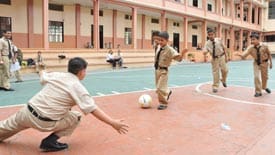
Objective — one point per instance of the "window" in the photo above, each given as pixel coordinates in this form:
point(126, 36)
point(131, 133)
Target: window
point(56, 31)
point(7, 2)
point(270, 38)
point(176, 24)
point(271, 10)
point(56, 7)
point(128, 36)
point(195, 3)
point(209, 7)
point(100, 12)
point(5, 24)
point(154, 20)
point(177, 0)
point(128, 17)
point(194, 27)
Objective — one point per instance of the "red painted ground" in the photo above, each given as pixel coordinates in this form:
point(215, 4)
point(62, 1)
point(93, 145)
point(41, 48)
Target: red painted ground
point(190, 125)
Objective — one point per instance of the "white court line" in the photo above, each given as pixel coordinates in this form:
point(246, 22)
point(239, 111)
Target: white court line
point(147, 88)
point(124, 93)
point(100, 94)
point(230, 99)
point(173, 85)
point(115, 92)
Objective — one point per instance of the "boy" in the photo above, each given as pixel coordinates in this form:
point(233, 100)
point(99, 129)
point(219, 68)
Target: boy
point(163, 59)
point(215, 47)
point(261, 55)
point(50, 109)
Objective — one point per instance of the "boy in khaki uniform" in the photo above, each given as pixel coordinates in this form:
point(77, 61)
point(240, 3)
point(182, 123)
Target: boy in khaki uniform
point(261, 55)
point(215, 47)
point(163, 59)
point(6, 55)
point(50, 109)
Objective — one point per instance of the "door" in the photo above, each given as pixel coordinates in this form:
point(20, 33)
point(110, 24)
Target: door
point(101, 37)
point(176, 41)
point(194, 40)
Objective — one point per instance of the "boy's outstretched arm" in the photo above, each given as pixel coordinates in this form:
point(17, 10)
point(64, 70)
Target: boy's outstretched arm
point(121, 127)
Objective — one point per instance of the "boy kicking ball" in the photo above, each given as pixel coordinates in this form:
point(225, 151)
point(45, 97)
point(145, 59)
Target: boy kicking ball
point(163, 59)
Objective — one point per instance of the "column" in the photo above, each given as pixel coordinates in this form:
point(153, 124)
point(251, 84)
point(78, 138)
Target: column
point(232, 13)
point(134, 28)
point(241, 10)
point(114, 28)
point(204, 7)
point(231, 42)
point(45, 24)
point(30, 23)
point(143, 31)
point(219, 30)
point(241, 40)
point(219, 11)
point(77, 26)
point(260, 16)
point(185, 32)
point(163, 21)
point(249, 16)
point(96, 24)
point(256, 13)
point(204, 32)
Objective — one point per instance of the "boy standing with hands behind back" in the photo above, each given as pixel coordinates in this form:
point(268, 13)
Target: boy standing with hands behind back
point(163, 59)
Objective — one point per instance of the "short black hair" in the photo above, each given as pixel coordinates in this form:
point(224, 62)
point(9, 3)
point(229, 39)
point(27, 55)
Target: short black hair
point(209, 30)
point(255, 35)
point(76, 64)
point(164, 35)
point(155, 33)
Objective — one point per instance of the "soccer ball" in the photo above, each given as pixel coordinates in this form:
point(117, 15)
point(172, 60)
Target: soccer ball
point(145, 101)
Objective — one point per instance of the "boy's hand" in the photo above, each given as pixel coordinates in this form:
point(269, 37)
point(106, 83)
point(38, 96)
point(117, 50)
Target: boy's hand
point(121, 127)
point(270, 66)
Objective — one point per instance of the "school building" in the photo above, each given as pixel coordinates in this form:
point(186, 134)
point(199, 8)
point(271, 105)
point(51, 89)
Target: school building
point(101, 24)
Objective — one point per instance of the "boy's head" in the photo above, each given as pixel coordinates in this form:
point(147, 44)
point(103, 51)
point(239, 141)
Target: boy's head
point(78, 67)
point(155, 36)
point(211, 34)
point(255, 38)
point(6, 34)
point(163, 38)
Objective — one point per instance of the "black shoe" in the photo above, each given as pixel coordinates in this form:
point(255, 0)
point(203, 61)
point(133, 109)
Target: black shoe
point(268, 90)
point(257, 94)
point(48, 146)
point(224, 84)
point(8, 89)
point(18, 81)
point(169, 95)
point(162, 107)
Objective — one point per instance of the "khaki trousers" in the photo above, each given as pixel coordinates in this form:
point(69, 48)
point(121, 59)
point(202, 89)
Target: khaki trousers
point(260, 76)
point(217, 65)
point(161, 79)
point(24, 119)
point(18, 75)
point(5, 73)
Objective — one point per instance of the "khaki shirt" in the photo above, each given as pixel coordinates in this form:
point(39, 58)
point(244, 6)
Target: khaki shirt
point(4, 46)
point(218, 47)
point(167, 55)
point(60, 93)
point(251, 50)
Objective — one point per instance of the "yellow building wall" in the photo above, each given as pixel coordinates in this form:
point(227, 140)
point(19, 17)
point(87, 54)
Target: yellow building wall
point(38, 17)
point(18, 12)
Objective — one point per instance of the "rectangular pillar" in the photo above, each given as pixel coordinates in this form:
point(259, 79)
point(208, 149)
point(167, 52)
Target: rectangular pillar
point(219, 30)
point(256, 15)
point(249, 16)
point(30, 23)
point(45, 24)
point(114, 28)
point(96, 23)
point(163, 21)
point(204, 32)
point(134, 28)
point(143, 18)
point(241, 40)
point(77, 26)
point(185, 32)
point(241, 10)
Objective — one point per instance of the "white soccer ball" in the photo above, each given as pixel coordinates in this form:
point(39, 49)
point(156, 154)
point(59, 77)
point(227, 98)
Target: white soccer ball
point(145, 101)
